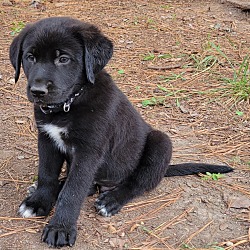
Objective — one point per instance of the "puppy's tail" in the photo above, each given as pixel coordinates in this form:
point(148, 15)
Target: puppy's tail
point(195, 168)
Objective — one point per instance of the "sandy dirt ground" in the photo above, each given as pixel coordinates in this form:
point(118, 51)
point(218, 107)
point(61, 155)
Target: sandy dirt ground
point(179, 63)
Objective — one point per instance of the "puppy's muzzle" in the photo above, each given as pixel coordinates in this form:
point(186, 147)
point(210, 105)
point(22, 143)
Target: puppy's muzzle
point(38, 91)
point(40, 88)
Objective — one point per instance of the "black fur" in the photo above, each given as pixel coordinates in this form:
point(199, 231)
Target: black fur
point(103, 139)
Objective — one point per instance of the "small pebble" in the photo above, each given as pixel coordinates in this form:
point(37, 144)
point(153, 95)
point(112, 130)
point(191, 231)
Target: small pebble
point(7, 3)
point(122, 234)
point(229, 244)
point(11, 81)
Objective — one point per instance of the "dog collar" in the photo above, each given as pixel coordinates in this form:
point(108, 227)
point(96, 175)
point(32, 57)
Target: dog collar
point(64, 106)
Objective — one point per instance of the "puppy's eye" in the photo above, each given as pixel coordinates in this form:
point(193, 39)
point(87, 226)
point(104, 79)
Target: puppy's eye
point(31, 58)
point(64, 60)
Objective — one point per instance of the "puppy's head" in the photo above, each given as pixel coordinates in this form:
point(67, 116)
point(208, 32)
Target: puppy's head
point(58, 56)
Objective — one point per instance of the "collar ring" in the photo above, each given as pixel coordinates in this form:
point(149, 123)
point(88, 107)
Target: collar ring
point(66, 107)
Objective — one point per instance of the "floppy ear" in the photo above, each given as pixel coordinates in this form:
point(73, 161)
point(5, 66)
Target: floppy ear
point(16, 52)
point(98, 50)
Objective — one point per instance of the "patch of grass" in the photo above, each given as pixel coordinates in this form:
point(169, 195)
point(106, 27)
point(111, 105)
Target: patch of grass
point(212, 176)
point(236, 88)
point(186, 246)
point(214, 246)
point(239, 85)
point(161, 99)
point(153, 101)
point(164, 56)
point(173, 77)
point(239, 161)
point(35, 178)
point(17, 27)
point(177, 43)
point(148, 57)
point(166, 7)
point(239, 113)
point(136, 21)
point(169, 92)
point(218, 49)
point(204, 63)
point(150, 21)
point(121, 72)
point(174, 16)
point(151, 56)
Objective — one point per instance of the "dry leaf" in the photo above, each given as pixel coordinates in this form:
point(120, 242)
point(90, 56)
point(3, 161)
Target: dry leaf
point(112, 242)
point(117, 243)
point(134, 227)
point(30, 230)
point(183, 109)
point(111, 229)
point(223, 226)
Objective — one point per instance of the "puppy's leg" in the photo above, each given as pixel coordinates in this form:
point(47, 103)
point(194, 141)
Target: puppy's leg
point(43, 198)
point(92, 190)
point(61, 229)
point(154, 161)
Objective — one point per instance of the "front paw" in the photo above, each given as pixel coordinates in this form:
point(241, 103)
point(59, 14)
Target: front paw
point(26, 211)
point(58, 235)
point(108, 204)
point(35, 205)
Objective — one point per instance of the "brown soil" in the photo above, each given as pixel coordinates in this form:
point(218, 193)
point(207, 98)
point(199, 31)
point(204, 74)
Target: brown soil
point(202, 120)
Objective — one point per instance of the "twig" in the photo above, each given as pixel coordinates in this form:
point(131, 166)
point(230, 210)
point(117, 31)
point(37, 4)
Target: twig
point(13, 93)
point(187, 241)
point(17, 188)
point(169, 67)
point(237, 244)
point(165, 225)
point(35, 219)
point(5, 163)
point(14, 180)
point(25, 151)
point(27, 229)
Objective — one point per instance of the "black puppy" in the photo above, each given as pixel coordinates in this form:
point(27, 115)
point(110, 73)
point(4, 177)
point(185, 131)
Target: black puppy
point(85, 120)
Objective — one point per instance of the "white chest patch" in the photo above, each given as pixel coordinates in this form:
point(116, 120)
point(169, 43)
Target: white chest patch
point(56, 133)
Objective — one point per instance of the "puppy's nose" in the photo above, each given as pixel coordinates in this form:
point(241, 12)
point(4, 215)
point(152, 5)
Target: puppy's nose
point(39, 91)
